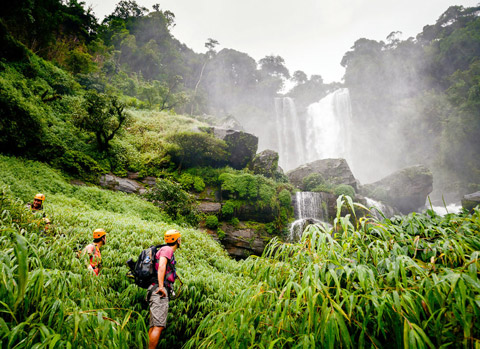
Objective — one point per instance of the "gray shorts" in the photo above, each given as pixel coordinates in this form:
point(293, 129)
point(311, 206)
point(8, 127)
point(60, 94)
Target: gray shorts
point(158, 308)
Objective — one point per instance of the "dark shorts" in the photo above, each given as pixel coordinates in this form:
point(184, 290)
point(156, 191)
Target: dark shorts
point(158, 308)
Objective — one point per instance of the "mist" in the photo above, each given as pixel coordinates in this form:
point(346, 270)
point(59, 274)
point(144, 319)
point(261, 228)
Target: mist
point(398, 106)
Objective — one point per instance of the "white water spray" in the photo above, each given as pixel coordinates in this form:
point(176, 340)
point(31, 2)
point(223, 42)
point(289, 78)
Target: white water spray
point(309, 207)
point(289, 139)
point(329, 127)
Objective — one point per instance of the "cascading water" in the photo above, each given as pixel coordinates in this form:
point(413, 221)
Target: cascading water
point(309, 208)
point(290, 145)
point(329, 127)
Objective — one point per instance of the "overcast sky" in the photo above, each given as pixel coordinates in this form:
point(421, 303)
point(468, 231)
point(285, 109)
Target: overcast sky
point(311, 35)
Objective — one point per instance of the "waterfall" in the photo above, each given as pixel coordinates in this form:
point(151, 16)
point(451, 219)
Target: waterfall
point(290, 145)
point(309, 207)
point(329, 127)
point(376, 207)
point(443, 210)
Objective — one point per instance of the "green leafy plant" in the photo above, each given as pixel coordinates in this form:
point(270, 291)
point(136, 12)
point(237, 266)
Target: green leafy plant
point(344, 189)
point(211, 222)
point(312, 180)
point(177, 203)
point(220, 234)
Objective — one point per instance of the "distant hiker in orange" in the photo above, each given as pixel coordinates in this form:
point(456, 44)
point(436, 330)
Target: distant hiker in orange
point(37, 203)
point(93, 250)
point(37, 208)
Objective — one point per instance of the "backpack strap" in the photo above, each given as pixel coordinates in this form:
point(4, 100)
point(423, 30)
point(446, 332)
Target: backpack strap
point(169, 263)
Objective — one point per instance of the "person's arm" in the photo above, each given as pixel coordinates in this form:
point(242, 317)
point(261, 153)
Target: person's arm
point(162, 267)
point(87, 251)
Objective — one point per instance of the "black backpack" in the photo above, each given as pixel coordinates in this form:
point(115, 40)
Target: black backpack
point(143, 271)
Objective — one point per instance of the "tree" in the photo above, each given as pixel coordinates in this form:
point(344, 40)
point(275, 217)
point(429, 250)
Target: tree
point(299, 77)
point(104, 116)
point(126, 9)
point(210, 45)
point(273, 73)
point(160, 95)
point(275, 66)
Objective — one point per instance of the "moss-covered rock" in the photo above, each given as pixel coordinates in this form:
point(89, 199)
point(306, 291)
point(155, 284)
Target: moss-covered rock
point(406, 189)
point(265, 163)
point(470, 201)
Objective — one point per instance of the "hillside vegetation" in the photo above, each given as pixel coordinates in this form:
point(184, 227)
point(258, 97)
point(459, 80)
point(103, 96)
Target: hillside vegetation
point(408, 282)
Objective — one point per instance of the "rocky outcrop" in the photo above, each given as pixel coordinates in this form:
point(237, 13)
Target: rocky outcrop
point(335, 171)
point(125, 185)
point(470, 201)
point(266, 163)
point(210, 208)
point(242, 146)
point(405, 190)
point(242, 242)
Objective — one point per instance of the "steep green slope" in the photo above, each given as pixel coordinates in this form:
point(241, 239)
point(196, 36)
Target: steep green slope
point(410, 281)
point(48, 296)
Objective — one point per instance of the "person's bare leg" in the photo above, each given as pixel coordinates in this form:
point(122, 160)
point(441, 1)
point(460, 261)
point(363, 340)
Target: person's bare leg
point(154, 336)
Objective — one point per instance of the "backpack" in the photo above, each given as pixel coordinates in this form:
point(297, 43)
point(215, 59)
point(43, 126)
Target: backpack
point(143, 271)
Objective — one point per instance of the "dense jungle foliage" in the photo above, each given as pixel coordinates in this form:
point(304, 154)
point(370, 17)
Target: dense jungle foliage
point(409, 281)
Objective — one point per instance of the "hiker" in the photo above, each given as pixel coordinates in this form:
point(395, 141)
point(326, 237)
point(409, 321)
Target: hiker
point(37, 205)
point(161, 290)
point(95, 259)
point(37, 208)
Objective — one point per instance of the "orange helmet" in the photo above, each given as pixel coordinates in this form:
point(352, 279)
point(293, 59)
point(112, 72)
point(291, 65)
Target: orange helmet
point(172, 235)
point(40, 197)
point(98, 233)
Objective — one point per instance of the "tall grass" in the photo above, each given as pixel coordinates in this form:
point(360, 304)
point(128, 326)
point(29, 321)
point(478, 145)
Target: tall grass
point(48, 298)
point(407, 282)
point(410, 281)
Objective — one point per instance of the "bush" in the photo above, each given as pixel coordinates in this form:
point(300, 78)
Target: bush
point(235, 222)
point(228, 209)
point(197, 149)
point(79, 164)
point(285, 198)
point(344, 189)
point(211, 222)
point(177, 203)
point(245, 186)
point(190, 182)
point(324, 187)
point(220, 234)
point(312, 180)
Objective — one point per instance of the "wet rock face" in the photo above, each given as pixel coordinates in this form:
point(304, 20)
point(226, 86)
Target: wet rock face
point(125, 185)
point(243, 242)
point(210, 208)
point(405, 190)
point(335, 171)
point(470, 201)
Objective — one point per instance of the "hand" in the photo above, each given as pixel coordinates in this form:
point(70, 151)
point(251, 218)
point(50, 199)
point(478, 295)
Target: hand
point(162, 292)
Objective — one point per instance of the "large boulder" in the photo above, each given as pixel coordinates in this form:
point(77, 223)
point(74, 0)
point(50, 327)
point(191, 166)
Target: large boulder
point(242, 146)
point(405, 190)
point(242, 242)
point(210, 208)
point(470, 201)
point(125, 185)
point(335, 171)
point(266, 163)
